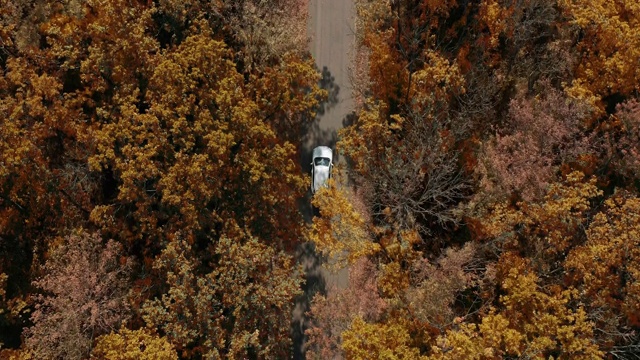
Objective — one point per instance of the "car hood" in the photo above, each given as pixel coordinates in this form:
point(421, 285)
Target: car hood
point(320, 176)
point(322, 151)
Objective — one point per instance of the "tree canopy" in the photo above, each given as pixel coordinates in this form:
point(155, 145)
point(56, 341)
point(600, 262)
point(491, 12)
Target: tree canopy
point(150, 182)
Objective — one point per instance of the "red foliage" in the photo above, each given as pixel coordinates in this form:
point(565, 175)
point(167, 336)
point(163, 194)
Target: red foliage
point(332, 314)
point(83, 296)
point(622, 140)
point(541, 134)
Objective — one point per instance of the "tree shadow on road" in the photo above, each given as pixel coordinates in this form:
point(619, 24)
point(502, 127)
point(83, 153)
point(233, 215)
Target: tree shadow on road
point(314, 284)
point(328, 83)
point(312, 135)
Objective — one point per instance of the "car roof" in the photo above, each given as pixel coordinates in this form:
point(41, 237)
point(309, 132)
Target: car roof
point(323, 151)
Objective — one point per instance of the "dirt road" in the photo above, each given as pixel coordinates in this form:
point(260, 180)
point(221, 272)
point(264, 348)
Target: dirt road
point(331, 29)
point(332, 37)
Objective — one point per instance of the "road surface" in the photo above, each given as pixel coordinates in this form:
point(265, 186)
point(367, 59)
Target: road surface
point(331, 29)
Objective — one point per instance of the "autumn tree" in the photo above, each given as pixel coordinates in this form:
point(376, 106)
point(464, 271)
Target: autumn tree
point(408, 160)
point(529, 322)
point(460, 100)
point(214, 313)
point(133, 344)
point(541, 135)
point(543, 231)
point(332, 314)
point(391, 309)
point(144, 120)
point(46, 184)
point(84, 288)
point(605, 271)
point(261, 33)
point(378, 341)
point(524, 40)
point(621, 141)
point(438, 286)
point(270, 30)
point(608, 47)
point(568, 248)
point(341, 232)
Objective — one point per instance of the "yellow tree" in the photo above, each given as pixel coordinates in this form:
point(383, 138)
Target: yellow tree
point(133, 118)
point(199, 152)
point(378, 341)
point(213, 313)
point(543, 231)
point(530, 321)
point(340, 232)
point(199, 161)
point(606, 269)
point(592, 259)
point(46, 187)
point(609, 48)
point(128, 344)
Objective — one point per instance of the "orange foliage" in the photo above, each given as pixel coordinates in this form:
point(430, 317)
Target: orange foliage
point(529, 322)
point(142, 120)
point(140, 344)
point(610, 48)
point(607, 267)
point(212, 313)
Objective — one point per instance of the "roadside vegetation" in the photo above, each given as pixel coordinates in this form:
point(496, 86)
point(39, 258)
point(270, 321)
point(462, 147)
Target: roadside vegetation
point(150, 179)
point(495, 156)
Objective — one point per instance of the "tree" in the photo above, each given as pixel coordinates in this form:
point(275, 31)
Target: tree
point(132, 345)
point(621, 143)
point(574, 246)
point(145, 120)
point(378, 341)
point(437, 287)
point(605, 269)
point(84, 290)
point(46, 103)
point(541, 135)
point(609, 49)
point(196, 158)
point(340, 232)
point(407, 158)
point(331, 315)
point(214, 313)
point(271, 30)
point(261, 33)
point(543, 231)
point(402, 142)
point(530, 322)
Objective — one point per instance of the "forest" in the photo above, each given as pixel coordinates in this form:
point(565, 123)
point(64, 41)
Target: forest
point(490, 206)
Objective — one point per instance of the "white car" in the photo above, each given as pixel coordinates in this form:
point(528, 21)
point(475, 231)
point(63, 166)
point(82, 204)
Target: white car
point(321, 165)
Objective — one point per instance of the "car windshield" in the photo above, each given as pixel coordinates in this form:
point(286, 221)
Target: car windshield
point(322, 161)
